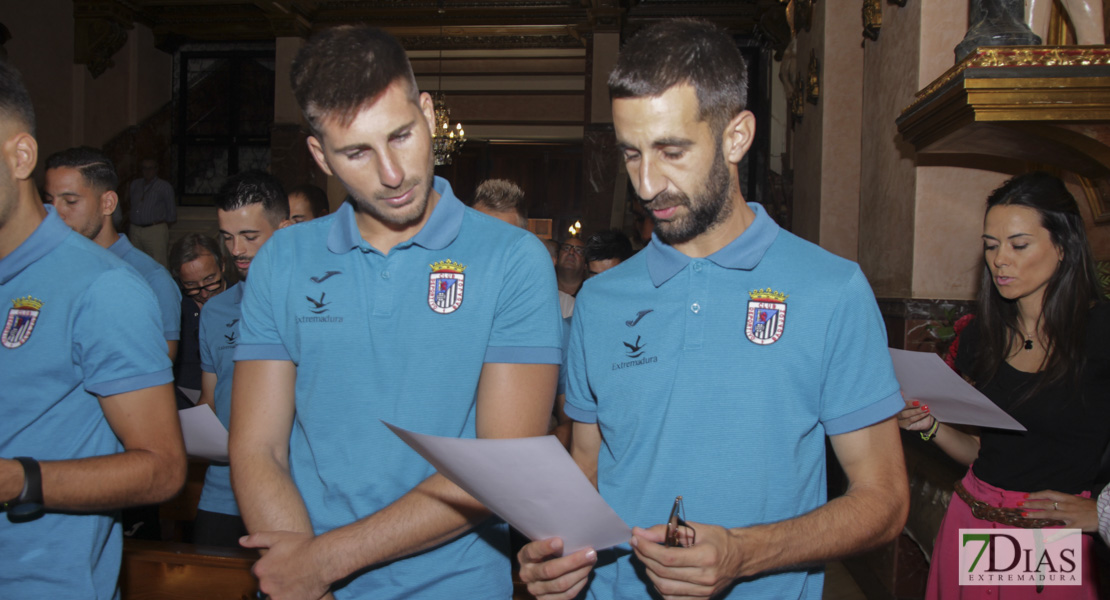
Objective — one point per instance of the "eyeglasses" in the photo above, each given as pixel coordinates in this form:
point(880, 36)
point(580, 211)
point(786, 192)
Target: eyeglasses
point(579, 250)
point(211, 287)
point(679, 533)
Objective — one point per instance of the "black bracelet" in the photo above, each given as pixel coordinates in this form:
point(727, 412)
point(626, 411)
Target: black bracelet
point(28, 505)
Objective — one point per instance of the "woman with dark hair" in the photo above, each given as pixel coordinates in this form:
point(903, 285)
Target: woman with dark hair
point(1039, 348)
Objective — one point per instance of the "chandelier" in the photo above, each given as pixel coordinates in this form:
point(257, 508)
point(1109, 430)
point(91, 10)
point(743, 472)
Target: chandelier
point(447, 140)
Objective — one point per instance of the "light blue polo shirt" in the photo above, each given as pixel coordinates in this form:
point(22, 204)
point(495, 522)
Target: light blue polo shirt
point(717, 379)
point(400, 337)
point(164, 287)
point(77, 323)
point(219, 336)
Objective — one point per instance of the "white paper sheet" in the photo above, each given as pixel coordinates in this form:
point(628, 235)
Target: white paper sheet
point(532, 483)
point(191, 394)
point(205, 436)
point(924, 376)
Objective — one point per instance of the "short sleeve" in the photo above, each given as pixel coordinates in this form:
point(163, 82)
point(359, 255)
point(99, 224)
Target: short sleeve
point(169, 301)
point(581, 404)
point(859, 384)
point(526, 326)
point(118, 339)
point(258, 329)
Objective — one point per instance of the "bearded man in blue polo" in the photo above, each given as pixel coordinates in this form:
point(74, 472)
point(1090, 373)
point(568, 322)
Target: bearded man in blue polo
point(713, 364)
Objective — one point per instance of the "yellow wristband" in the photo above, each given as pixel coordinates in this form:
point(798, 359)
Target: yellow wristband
point(928, 435)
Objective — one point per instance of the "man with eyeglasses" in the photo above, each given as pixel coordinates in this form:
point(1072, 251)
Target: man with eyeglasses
point(570, 272)
point(717, 361)
point(81, 184)
point(196, 262)
point(250, 207)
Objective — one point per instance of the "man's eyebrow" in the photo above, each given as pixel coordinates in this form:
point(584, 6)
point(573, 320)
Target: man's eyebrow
point(364, 146)
point(681, 142)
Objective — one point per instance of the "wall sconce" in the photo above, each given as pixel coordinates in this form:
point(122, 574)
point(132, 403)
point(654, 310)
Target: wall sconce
point(574, 229)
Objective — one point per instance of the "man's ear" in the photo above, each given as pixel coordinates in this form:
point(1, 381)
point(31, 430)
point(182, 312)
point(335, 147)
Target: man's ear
point(22, 152)
point(428, 107)
point(108, 202)
point(285, 223)
point(316, 148)
point(738, 136)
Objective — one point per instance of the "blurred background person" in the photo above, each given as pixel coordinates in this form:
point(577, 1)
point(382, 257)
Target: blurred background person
point(606, 250)
point(307, 202)
point(153, 210)
point(501, 199)
point(199, 265)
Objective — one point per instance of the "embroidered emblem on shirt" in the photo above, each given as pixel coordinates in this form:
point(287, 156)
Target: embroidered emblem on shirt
point(635, 349)
point(639, 316)
point(21, 321)
point(318, 305)
point(232, 323)
point(766, 316)
point(230, 338)
point(325, 276)
point(445, 286)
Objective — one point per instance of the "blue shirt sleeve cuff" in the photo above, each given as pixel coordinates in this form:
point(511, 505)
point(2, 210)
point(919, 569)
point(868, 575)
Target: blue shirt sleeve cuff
point(172, 335)
point(582, 416)
point(261, 352)
point(868, 415)
point(130, 384)
point(517, 355)
point(207, 368)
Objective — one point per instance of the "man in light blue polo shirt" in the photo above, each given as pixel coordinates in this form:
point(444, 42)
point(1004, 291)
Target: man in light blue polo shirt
point(250, 207)
point(81, 184)
point(713, 364)
point(404, 306)
point(84, 388)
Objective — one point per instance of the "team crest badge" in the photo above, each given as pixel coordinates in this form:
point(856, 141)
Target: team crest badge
point(766, 316)
point(21, 321)
point(445, 286)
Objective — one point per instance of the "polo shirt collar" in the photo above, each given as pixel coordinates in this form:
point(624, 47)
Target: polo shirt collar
point(438, 232)
point(121, 246)
point(744, 252)
point(47, 236)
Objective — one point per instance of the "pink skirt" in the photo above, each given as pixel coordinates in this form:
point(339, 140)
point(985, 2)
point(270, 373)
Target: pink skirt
point(944, 570)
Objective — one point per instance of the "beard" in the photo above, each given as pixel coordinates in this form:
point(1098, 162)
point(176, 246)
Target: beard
point(704, 211)
point(379, 209)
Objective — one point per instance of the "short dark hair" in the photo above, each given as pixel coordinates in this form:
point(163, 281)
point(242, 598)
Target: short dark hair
point(500, 195)
point(15, 102)
point(94, 166)
point(254, 187)
point(608, 244)
point(343, 69)
point(679, 51)
point(192, 247)
point(317, 198)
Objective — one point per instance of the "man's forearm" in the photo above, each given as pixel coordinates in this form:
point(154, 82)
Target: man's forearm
point(129, 478)
point(433, 512)
point(859, 520)
point(267, 497)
